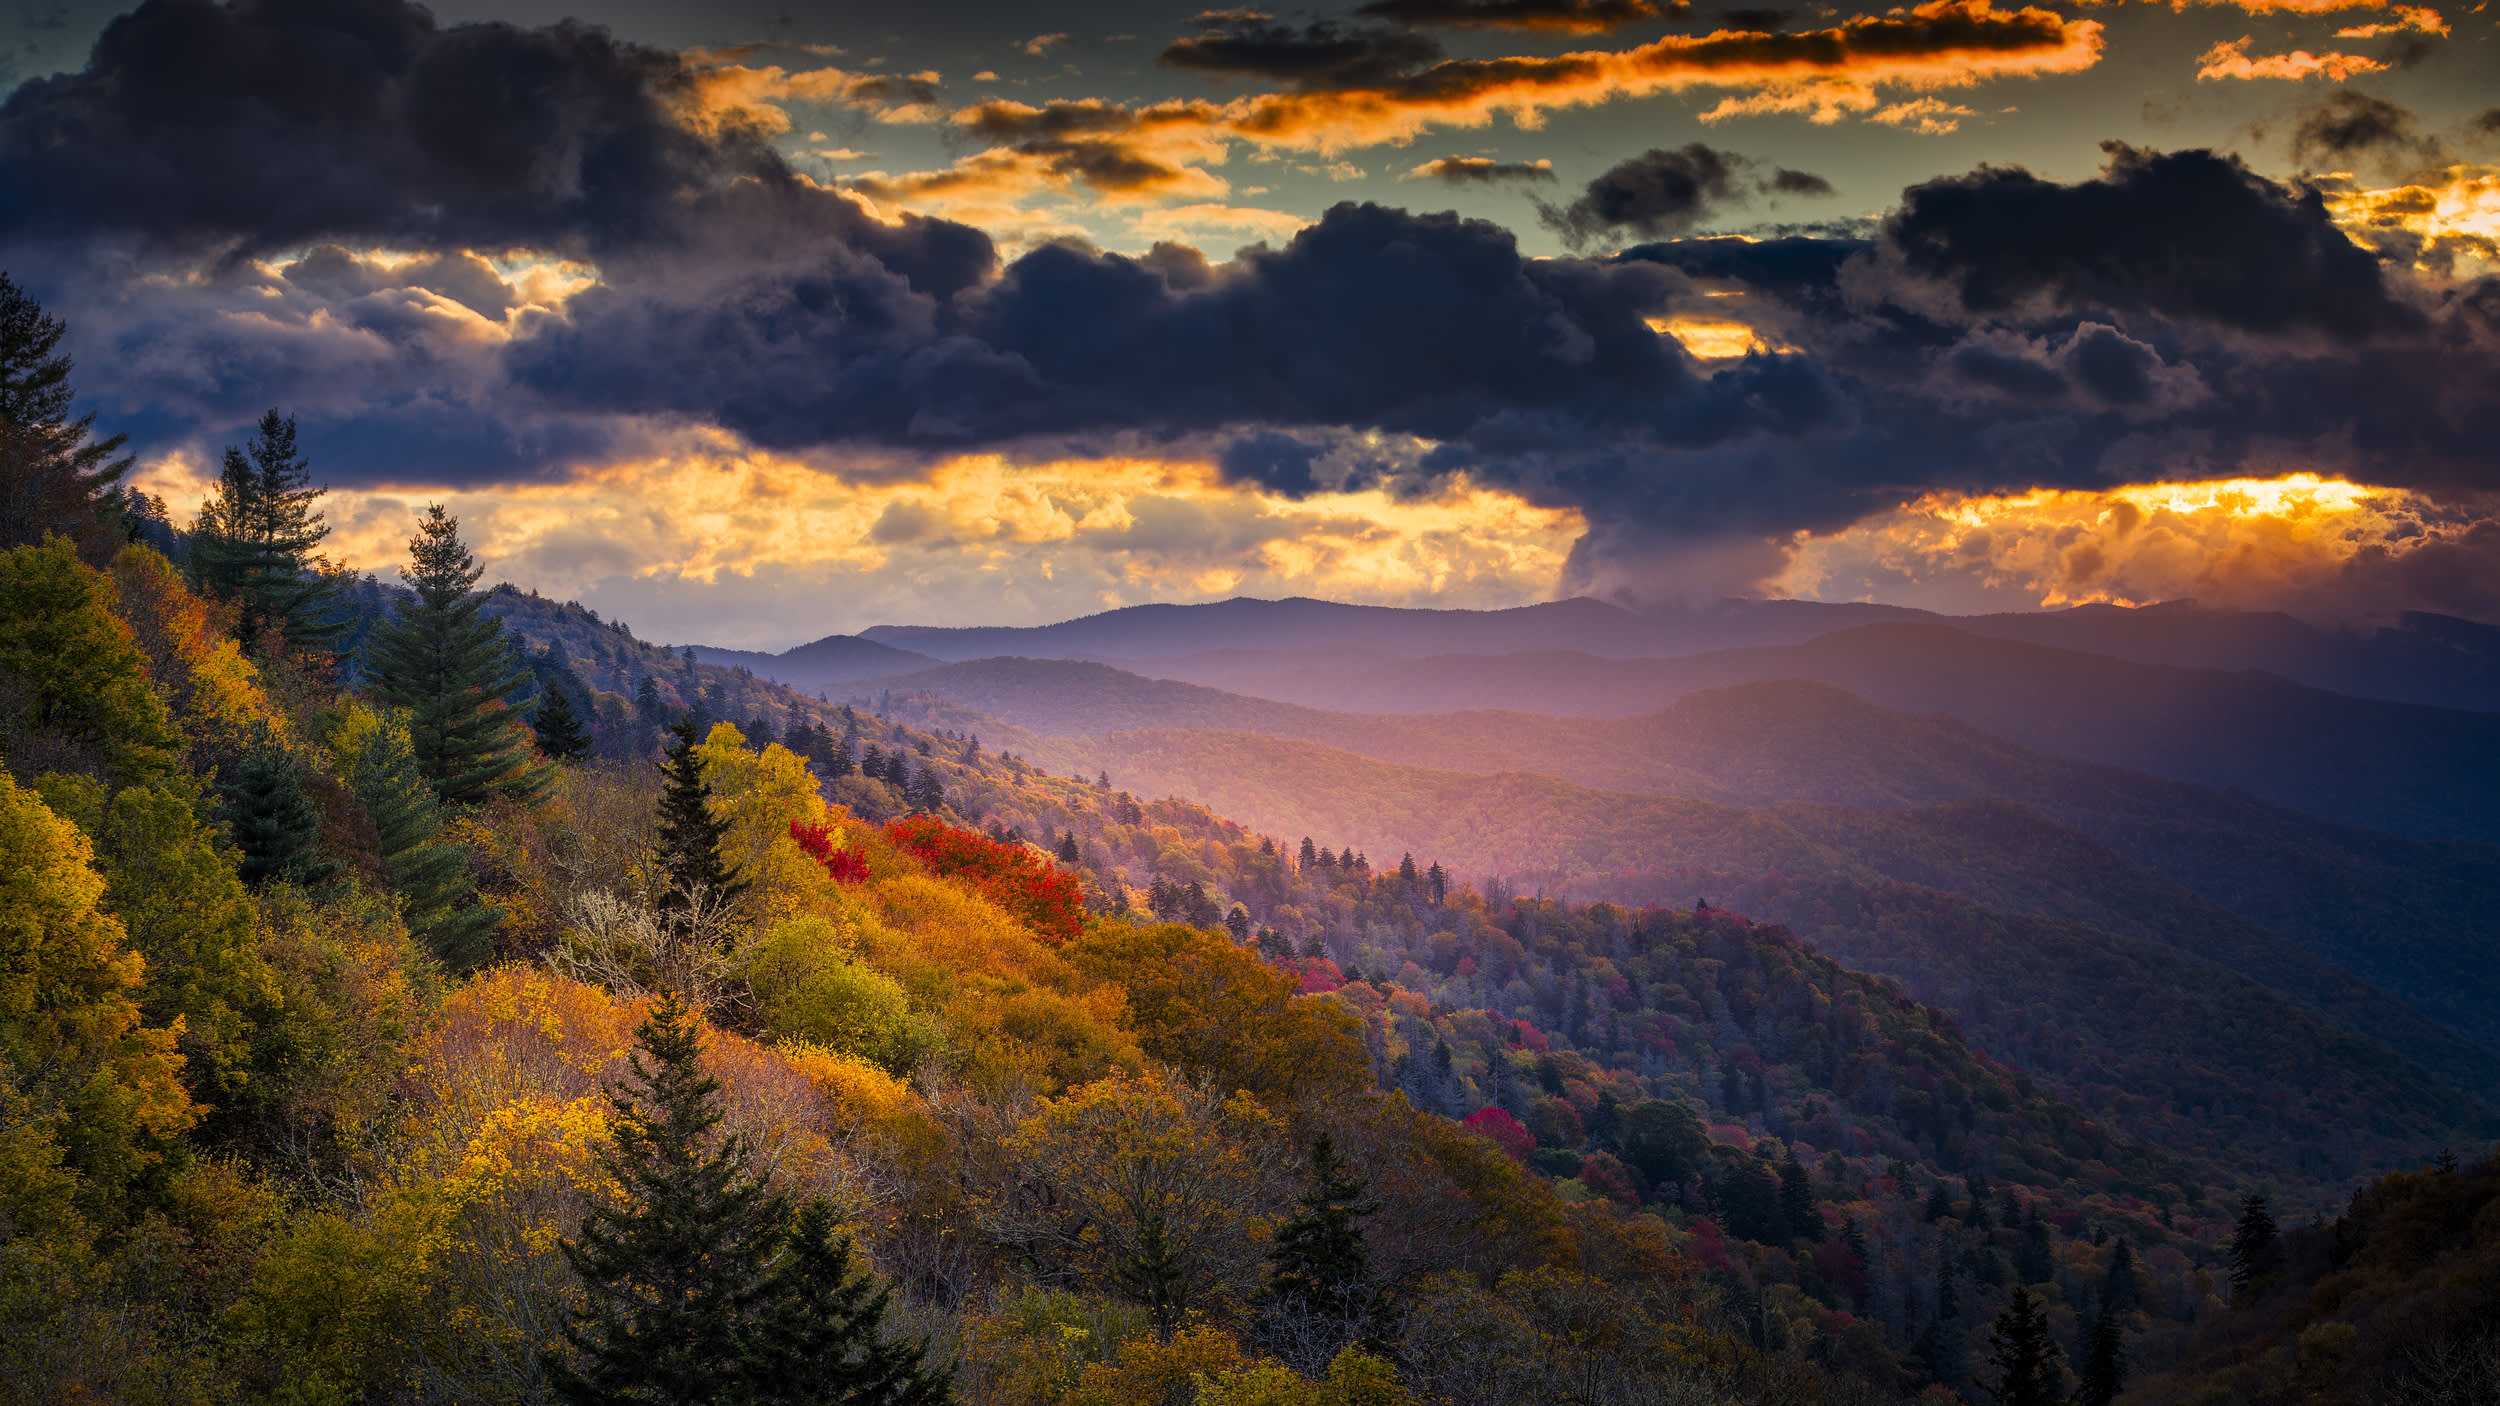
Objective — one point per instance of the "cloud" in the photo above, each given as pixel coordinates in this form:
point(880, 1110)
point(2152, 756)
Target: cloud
point(2349, 126)
point(1041, 44)
point(2409, 19)
point(1480, 170)
point(1931, 117)
point(1553, 16)
point(1319, 55)
point(1846, 69)
point(1660, 194)
point(2230, 59)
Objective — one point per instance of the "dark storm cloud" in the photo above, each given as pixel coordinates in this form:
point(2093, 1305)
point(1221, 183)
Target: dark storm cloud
point(2190, 236)
point(266, 123)
point(2348, 126)
point(1565, 16)
point(1316, 56)
point(1660, 194)
point(2175, 315)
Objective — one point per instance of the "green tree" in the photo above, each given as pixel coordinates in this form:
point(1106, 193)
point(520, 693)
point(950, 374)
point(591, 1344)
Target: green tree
point(2030, 1370)
point(254, 542)
point(1663, 1141)
point(690, 834)
point(77, 695)
point(452, 669)
point(378, 764)
point(560, 732)
point(1797, 1200)
point(1319, 1261)
point(91, 1099)
point(674, 1270)
point(818, 1338)
point(2252, 1248)
point(2104, 1362)
point(54, 475)
point(271, 818)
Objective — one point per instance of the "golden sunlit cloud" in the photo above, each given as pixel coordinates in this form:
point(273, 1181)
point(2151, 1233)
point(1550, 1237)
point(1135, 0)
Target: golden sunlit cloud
point(2231, 60)
point(2446, 224)
point(744, 547)
point(2289, 542)
point(1711, 340)
point(2409, 19)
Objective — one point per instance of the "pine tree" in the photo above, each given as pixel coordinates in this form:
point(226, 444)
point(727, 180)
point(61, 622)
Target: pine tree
point(1797, 1200)
point(253, 544)
point(2104, 1362)
point(2252, 1248)
point(271, 819)
point(672, 1270)
point(53, 475)
point(1068, 854)
point(455, 673)
point(2118, 1287)
point(690, 834)
point(560, 733)
point(1309, 854)
point(438, 902)
point(1437, 880)
point(2029, 1368)
point(1318, 1260)
point(817, 1337)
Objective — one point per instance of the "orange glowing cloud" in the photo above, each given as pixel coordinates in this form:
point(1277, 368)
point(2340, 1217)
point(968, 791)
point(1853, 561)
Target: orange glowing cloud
point(2446, 223)
point(709, 530)
point(2231, 59)
point(1150, 151)
point(2302, 542)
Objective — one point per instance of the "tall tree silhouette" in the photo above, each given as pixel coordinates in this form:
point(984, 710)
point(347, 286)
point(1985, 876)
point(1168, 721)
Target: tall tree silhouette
point(690, 834)
point(2029, 1369)
point(253, 545)
point(2252, 1248)
point(1319, 1259)
point(457, 675)
point(560, 732)
point(55, 475)
point(672, 1271)
point(817, 1336)
point(2104, 1361)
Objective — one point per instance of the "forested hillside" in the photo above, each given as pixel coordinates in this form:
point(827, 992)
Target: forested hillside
point(2404, 916)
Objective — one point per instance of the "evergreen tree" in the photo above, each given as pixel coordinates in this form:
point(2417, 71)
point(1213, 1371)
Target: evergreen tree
point(1437, 880)
point(672, 1271)
point(271, 819)
point(817, 1338)
point(1318, 1260)
point(2034, 1260)
point(1309, 854)
point(926, 791)
point(2252, 1248)
point(2030, 1370)
point(690, 834)
point(1797, 1200)
point(253, 544)
point(53, 476)
point(2118, 1287)
point(1068, 853)
point(560, 734)
point(455, 673)
point(437, 900)
point(2104, 1362)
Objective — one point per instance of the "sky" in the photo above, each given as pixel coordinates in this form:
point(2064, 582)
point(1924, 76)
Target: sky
point(753, 323)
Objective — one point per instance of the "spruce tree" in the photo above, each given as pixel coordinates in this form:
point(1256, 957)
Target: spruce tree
point(270, 817)
point(1068, 854)
point(1318, 1260)
point(2030, 1370)
point(2118, 1287)
point(817, 1337)
point(438, 902)
point(690, 834)
point(560, 733)
point(2252, 1248)
point(253, 544)
point(2104, 1362)
point(452, 669)
point(672, 1271)
point(54, 477)
point(1797, 1200)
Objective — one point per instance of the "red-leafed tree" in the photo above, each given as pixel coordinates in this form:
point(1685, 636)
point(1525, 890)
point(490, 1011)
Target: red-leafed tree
point(847, 866)
point(1046, 897)
point(1506, 1131)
